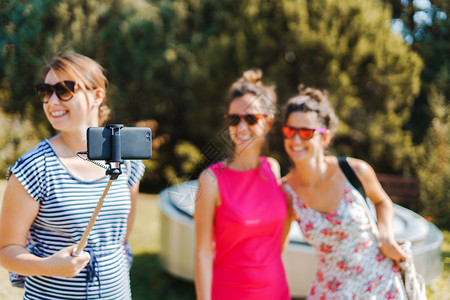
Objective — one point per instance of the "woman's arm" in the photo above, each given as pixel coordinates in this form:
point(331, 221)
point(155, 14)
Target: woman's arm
point(275, 167)
point(134, 191)
point(207, 200)
point(384, 208)
point(286, 228)
point(18, 212)
point(290, 217)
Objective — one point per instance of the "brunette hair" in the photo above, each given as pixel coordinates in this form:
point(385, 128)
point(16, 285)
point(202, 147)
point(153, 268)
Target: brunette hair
point(312, 100)
point(87, 73)
point(251, 83)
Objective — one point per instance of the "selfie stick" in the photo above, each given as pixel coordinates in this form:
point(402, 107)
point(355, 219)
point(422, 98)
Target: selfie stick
point(113, 171)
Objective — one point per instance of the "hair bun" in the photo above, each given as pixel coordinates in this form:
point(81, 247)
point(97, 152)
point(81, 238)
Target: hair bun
point(253, 76)
point(310, 99)
point(315, 94)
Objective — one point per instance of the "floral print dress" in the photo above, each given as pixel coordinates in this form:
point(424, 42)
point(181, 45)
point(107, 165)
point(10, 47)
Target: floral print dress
point(350, 264)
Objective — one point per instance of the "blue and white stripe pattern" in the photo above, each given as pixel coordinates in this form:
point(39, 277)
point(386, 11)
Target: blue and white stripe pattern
point(66, 205)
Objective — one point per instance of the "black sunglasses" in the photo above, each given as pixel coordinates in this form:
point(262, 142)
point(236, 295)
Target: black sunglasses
point(64, 90)
point(250, 119)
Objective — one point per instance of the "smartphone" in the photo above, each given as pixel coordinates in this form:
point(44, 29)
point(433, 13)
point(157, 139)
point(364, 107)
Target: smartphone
point(135, 143)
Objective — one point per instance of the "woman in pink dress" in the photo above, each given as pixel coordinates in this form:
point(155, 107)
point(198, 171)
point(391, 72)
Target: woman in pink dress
point(350, 263)
point(241, 211)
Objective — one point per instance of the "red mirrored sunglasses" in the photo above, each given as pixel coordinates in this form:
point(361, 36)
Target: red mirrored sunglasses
point(304, 133)
point(250, 119)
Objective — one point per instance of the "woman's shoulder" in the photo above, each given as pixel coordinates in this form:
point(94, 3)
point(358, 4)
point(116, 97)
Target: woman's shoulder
point(208, 183)
point(362, 169)
point(273, 164)
point(134, 170)
point(31, 166)
point(360, 166)
point(270, 160)
point(35, 154)
point(215, 167)
point(212, 170)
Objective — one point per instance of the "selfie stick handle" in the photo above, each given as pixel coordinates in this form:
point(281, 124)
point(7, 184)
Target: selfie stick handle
point(83, 241)
point(113, 173)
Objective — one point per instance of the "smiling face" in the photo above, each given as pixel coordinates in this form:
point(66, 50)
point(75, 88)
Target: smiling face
point(299, 149)
point(75, 114)
point(246, 136)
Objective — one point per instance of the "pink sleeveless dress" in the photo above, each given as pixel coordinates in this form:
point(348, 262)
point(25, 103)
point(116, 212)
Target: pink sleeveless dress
point(247, 233)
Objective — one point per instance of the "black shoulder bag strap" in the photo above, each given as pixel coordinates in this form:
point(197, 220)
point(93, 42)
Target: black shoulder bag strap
point(351, 176)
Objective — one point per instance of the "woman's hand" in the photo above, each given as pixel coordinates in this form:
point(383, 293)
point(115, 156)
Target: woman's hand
point(393, 251)
point(64, 264)
point(384, 207)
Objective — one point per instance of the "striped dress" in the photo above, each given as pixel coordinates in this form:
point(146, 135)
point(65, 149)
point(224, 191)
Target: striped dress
point(66, 205)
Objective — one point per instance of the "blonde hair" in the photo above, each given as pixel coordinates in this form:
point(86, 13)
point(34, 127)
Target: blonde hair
point(86, 72)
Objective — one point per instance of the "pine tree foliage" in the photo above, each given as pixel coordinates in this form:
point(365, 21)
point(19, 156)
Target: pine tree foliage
point(173, 61)
point(370, 73)
point(33, 31)
point(426, 26)
point(434, 162)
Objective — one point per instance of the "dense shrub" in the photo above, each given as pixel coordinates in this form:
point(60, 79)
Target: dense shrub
point(434, 164)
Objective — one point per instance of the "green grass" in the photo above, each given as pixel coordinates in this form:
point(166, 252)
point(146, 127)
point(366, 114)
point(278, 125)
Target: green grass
point(440, 288)
point(150, 281)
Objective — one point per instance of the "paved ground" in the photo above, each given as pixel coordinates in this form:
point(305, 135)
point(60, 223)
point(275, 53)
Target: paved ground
point(7, 292)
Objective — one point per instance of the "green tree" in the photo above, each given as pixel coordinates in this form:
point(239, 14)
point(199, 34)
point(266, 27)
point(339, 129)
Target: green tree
point(433, 163)
point(426, 26)
point(173, 61)
point(346, 47)
point(371, 74)
point(33, 31)
point(18, 134)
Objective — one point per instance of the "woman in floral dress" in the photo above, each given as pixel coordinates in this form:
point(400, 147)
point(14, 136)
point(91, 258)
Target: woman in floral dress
point(351, 265)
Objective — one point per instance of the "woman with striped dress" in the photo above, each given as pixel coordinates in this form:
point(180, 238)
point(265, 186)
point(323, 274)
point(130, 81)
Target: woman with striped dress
point(51, 194)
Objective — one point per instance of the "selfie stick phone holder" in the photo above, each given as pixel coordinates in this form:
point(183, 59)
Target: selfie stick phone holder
point(113, 171)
